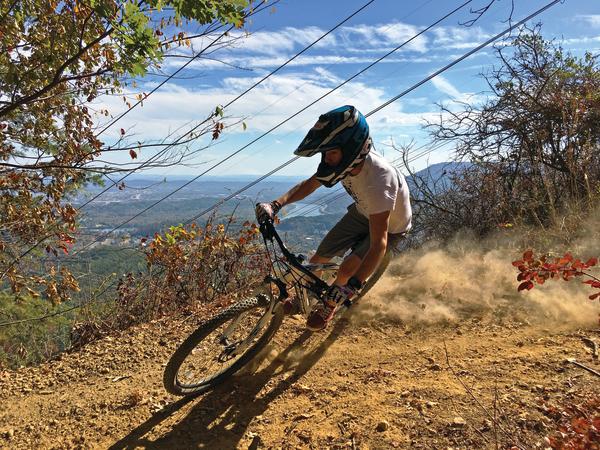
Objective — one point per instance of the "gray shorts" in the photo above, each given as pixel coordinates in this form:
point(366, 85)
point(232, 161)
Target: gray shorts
point(352, 233)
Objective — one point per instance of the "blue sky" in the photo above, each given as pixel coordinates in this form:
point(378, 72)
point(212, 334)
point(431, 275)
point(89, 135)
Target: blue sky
point(274, 36)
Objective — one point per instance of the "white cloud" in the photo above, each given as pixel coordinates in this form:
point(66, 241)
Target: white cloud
point(394, 34)
point(274, 100)
point(443, 85)
point(307, 78)
point(582, 40)
point(590, 19)
point(357, 44)
point(261, 62)
point(281, 41)
point(445, 38)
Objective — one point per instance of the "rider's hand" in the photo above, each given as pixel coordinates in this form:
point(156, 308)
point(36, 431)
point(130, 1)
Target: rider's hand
point(339, 294)
point(267, 211)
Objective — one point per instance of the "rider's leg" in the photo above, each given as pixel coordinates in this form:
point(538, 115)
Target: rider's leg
point(318, 259)
point(348, 267)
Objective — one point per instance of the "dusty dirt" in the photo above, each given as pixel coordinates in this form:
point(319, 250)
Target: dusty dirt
point(476, 378)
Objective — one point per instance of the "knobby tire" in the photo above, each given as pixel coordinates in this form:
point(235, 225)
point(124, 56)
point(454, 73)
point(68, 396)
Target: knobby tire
point(170, 379)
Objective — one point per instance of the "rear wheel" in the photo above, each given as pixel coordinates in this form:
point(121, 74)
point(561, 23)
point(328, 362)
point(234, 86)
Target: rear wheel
point(222, 345)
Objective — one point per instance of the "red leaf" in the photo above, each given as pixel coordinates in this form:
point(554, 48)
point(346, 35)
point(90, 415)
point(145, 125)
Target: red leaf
point(525, 285)
point(594, 296)
point(122, 131)
point(133, 154)
point(528, 255)
point(592, 262)
point(517, 263)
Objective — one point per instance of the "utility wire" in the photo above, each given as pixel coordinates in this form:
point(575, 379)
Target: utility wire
point(479, 47)
point(393, 99)
point(238, 97)
point(155, 157)
point(178, 140)
point(168, 146)
point(197, 55)
point(273, 129)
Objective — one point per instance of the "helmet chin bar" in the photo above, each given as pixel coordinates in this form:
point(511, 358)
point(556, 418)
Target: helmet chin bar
point(329, 176)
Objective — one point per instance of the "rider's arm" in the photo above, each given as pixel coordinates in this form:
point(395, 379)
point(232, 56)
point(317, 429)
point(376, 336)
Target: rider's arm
point(300, 191)
point(378, 232)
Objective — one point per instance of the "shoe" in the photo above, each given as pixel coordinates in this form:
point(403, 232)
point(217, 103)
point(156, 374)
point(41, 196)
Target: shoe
point(320, 316)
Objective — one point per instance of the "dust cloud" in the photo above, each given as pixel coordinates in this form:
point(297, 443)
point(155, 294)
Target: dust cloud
point(468, 278)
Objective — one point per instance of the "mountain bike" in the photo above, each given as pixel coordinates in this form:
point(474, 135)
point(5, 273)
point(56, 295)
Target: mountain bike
point(226, 342)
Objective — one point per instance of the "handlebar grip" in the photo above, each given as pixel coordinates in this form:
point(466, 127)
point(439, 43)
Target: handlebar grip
point(267, 229)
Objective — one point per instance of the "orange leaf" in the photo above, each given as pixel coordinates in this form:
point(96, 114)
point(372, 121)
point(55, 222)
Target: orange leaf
point(567, 258)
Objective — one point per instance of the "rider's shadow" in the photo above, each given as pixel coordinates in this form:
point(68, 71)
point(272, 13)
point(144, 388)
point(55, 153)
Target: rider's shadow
point(220, 418)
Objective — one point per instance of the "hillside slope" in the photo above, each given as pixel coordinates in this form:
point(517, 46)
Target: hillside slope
point(376, 381)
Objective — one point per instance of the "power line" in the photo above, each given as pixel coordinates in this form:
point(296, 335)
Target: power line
point(170, 145)
point(489, 41)
point(403, 93)
point(150, 160)
point(178, 140)
point(197, 55)
point(277, 126)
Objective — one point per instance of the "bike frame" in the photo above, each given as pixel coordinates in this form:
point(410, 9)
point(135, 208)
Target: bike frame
point(287, 271)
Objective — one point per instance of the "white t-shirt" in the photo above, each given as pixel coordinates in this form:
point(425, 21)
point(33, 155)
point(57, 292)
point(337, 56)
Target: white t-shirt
point(379, 187)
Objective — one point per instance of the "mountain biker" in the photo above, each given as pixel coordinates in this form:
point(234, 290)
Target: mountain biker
point(373, 225)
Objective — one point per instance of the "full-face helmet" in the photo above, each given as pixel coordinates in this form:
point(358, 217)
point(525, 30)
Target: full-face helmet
point(344, 128)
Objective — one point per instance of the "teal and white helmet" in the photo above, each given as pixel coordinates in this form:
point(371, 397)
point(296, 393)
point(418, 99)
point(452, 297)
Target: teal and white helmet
point(344, 128)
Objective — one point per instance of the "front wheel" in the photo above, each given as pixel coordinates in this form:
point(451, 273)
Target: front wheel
point(222, 345)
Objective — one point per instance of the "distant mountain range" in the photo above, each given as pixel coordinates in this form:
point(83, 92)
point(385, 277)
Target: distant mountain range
point(153, 187)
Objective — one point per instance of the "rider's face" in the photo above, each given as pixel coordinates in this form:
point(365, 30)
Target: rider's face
point(333, 157)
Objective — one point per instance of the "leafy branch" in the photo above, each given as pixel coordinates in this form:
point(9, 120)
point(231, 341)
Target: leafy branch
point(534, 270)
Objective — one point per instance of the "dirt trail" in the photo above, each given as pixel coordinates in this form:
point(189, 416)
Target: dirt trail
point(483, 378)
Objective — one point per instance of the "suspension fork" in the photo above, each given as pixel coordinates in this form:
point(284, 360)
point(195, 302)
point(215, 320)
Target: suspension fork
point(238, 348)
